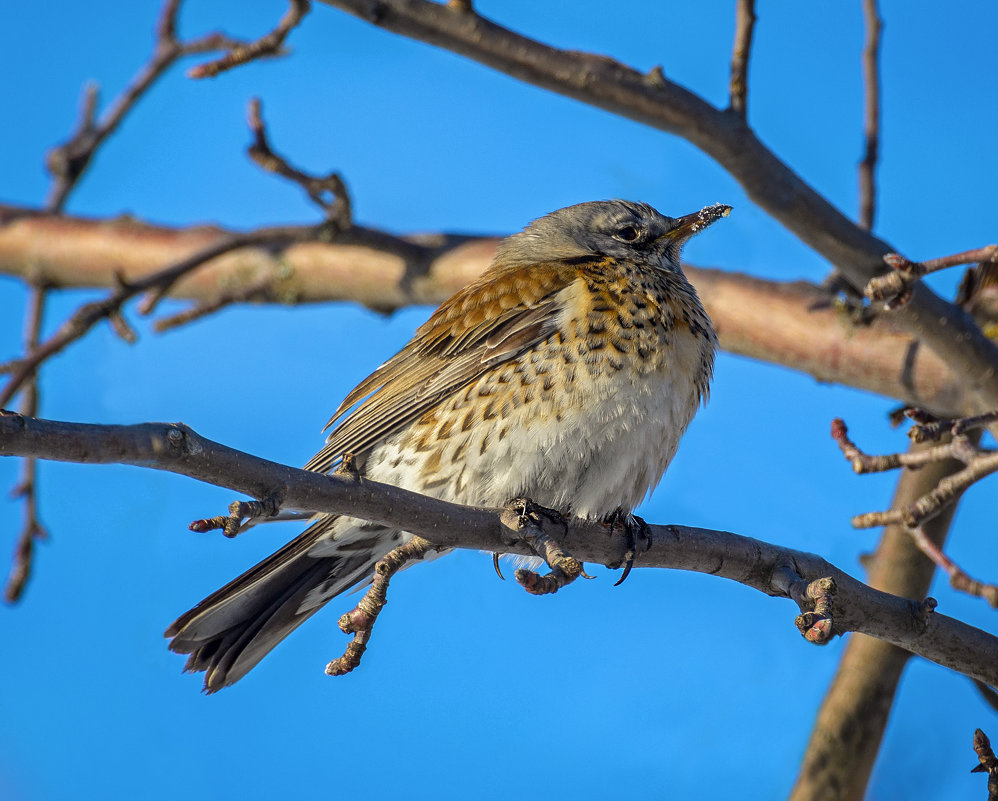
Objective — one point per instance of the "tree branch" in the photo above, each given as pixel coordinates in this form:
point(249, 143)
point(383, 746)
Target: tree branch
point(655, 101)
point(793, 324)
point(88, 315)
point(871, 115)
point(742, 49)
point(270, 44)
point(26, 488)
point(768, 568)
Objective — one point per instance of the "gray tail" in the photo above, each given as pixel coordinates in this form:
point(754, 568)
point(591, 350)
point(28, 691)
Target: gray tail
point(234, 628)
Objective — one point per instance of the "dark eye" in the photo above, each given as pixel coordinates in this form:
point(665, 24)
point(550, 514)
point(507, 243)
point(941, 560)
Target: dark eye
point(627, 233)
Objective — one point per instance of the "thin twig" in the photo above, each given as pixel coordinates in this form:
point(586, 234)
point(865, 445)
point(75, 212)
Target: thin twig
point(866, 463)
point(929, 427)
point(738, 85)
point(871, 115)
point(244, 294)
point(266, 46)
point(85, 317)
point(979, 463)
point(958, 578)
point(895, 288)
point(27, 485)
point(68, 161)
point(329, 192)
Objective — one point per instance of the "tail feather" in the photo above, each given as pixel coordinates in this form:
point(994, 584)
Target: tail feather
point(232, 629)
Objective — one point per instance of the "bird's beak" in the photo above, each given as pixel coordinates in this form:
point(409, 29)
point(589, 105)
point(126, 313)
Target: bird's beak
point(694, 223)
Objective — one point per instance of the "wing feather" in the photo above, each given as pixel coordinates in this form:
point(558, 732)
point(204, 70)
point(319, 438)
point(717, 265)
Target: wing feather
point(491, 321)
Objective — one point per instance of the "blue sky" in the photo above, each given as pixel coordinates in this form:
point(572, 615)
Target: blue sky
point(470, 687)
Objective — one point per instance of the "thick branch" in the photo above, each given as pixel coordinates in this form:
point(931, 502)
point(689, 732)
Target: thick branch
point(655, 101)
point(768, 568)
point(792, 324)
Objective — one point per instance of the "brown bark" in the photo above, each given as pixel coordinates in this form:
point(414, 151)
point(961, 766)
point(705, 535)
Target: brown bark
point(791, 324)
point(771, 569)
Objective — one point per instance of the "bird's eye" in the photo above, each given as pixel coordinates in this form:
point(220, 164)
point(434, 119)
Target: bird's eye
point(627, 233)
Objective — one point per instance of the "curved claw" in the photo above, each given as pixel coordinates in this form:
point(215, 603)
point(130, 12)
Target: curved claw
point(495, 564)
point(585, 575)
point(627, 569)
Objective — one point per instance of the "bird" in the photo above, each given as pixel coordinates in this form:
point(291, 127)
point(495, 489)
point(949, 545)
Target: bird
point(566, 373)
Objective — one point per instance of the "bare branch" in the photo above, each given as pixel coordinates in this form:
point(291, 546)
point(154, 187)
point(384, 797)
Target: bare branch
point(896, 288)
point(958, 579)
point(69, 161)
point(269, 45)
point(979, 462)
point(654, 100)
point(871, 115)
point(27, 485)
point(768, 568)
point(794, 324)
point(738, 85)
point(337, 205)
point(88, 315)
point(257, 290)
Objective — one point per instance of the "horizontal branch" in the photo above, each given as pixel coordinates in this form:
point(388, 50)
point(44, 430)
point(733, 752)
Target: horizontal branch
point(768, 568)
point(651, 99)
point(792, 324)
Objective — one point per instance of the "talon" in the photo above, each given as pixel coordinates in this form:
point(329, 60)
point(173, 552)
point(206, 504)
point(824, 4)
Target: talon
point(632, 525)
point(585, 575)
point(495, 564)
point(627, 569)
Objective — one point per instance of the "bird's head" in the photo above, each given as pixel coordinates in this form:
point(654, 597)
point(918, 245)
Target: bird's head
point(620, 229)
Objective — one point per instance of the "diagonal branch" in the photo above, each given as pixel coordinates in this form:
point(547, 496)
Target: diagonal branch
point(768, 568)
point(88, 315)
point(655, 101)
point(68, 161)
point(270, 44)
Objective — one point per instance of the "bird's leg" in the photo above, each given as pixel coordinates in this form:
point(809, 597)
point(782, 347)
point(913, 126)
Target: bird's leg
point(239, 513)
point(635, 529)
point(524, 516)
point(360, 620)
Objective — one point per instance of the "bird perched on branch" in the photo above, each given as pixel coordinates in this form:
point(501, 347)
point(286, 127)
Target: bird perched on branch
point(565, 374)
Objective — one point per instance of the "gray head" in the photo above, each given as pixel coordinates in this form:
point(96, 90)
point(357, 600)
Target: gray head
point(620, 229)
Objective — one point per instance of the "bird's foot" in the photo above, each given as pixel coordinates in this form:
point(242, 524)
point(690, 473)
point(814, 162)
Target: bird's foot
point(527, 521)
point(360, 620)
point(240, 514)
point(635, 529)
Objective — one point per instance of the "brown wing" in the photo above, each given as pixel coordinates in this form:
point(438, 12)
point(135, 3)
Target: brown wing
point(490, 321)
